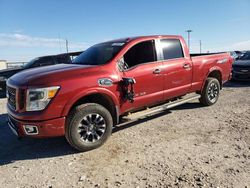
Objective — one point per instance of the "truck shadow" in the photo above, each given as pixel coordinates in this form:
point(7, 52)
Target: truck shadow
point(12, 149)
point(190, 105)
point(126, 125)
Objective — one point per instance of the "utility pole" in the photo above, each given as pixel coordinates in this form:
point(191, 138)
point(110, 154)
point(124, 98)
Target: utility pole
point(67, 46)
point(60, 42)
point(200, 46)
point(189, 31)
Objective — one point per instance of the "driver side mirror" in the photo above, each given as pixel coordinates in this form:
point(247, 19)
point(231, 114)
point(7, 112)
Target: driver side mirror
point(129, 93)
point(129, 81)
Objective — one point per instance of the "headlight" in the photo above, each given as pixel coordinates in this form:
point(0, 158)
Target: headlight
point(39, 98)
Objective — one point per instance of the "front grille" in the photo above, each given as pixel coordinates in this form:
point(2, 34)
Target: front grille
point(238, 68)
point(12, 93)
point(242, 76)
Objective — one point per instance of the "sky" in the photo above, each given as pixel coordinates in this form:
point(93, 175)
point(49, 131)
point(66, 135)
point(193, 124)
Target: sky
point(32, 28)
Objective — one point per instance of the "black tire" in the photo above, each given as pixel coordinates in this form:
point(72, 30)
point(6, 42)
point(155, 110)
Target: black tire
point(81, 119)
point(210, 92)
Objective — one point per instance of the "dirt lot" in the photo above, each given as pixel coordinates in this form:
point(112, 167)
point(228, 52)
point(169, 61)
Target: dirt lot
point(188, 146)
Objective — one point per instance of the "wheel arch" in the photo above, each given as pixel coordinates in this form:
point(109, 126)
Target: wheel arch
point(103, 98)
point(214, 72)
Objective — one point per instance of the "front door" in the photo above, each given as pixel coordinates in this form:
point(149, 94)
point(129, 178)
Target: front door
point(142, 65)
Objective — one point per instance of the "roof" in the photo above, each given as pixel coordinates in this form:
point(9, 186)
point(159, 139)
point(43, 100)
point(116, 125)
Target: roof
point(128, 39)
point(71, 53)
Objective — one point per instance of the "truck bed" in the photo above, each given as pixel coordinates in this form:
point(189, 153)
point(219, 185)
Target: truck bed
point(205, 54)
point(203, 62)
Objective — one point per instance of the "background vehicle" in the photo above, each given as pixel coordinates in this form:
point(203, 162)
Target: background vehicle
point(241, 67)
point(37, 62)
point(239, 53)
point(234, 54)
point(85, 99)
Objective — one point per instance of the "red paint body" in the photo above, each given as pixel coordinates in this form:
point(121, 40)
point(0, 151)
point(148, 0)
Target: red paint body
point(78, 81)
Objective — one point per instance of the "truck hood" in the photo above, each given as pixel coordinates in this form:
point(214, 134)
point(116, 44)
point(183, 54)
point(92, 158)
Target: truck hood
point(47, 74)
point(242, 63)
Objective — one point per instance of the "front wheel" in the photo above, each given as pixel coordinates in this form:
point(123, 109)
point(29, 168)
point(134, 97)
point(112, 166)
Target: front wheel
point(210, 92)
point(88, 126)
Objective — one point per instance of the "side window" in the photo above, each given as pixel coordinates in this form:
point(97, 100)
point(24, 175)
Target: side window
point(171, 48)
point(143, 52)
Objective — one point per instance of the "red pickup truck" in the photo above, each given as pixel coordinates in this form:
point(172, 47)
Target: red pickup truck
point(86, 99)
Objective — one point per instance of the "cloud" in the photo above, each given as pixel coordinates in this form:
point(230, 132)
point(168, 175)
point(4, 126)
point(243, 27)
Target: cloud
point(237, 46)
point(22, 47)
point(220, 47)
point(245, 45)
point(21, 40)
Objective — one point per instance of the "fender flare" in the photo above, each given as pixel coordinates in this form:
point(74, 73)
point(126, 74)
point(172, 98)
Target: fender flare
point(214, 68)
point(91, 91)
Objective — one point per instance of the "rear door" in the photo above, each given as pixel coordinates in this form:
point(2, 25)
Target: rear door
point(145, 69)
point(177, 69)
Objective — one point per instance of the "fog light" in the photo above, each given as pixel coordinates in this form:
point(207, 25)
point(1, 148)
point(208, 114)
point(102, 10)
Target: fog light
point(30, 129)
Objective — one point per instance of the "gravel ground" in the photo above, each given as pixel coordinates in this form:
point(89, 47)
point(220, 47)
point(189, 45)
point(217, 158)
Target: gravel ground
point(188, 146)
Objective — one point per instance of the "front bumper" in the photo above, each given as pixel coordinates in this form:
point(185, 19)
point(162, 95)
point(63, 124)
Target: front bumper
point(240, 76)
point(44, 129)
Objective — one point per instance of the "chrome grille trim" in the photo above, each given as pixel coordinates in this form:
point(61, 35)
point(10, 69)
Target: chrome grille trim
point(12, 97)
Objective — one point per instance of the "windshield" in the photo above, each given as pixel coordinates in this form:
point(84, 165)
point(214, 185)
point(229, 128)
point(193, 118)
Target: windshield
point(246, 56)
point(99, 54)
point(27, 65)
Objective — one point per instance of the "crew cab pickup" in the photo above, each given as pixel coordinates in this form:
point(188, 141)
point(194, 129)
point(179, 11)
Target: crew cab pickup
point(85, 100)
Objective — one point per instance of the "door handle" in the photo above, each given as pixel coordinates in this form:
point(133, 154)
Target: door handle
point(157, 71)
point(186, 66)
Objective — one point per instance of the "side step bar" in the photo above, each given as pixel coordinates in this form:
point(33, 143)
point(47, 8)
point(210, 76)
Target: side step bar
point(142, 114)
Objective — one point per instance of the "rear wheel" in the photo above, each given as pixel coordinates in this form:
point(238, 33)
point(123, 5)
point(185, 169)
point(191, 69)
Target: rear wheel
point(88, 126)
point(210, 92)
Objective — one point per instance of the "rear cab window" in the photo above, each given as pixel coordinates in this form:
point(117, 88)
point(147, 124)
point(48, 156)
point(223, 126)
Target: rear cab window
point(171, 49)
point(63, 59)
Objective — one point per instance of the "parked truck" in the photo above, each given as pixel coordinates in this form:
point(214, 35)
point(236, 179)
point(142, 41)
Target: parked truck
point(86, 99)
point(37, 62)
